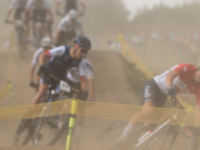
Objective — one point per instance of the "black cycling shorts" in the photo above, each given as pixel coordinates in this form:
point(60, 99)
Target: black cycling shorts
point(63, 37)
point(39, 15)
point(151, 93)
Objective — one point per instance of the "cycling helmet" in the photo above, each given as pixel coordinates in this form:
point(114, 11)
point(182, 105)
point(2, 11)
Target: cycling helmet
point(46, 42)
point(73, 14)
point(83, 41)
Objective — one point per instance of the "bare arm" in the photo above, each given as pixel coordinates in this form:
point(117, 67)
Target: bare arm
point(42, 59)
point(82, 4)
point(84, 85)
point(8, 14)
point(170, 77)
point(56, 35)
point(57, 6)
point(32, 73)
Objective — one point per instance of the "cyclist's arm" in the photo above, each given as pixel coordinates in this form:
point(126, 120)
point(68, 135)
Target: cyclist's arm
point(79, 28)
point(87, 75)
point(8, 14)
point(10, 9)
point(32, 73)
point(170, 77)
point(82, 4)
point(57, 35)
point(58, 2)
point(54, 52)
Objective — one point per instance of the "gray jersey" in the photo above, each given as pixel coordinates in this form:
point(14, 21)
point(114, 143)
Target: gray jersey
point(65, 25)
point(37, 4)
point(18, 4)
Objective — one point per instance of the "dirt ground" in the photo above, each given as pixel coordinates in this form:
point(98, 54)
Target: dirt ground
point(113, 80)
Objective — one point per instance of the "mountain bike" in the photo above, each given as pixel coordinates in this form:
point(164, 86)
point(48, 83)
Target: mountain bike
point(162, 136)
point(34, 129)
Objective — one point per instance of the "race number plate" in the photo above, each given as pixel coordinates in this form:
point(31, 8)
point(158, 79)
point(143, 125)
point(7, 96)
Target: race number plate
point(64, 86)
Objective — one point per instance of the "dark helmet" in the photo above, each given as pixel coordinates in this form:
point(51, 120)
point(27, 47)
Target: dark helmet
point(83, 41)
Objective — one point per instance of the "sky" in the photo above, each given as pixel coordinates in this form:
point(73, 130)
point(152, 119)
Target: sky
point(133, 5)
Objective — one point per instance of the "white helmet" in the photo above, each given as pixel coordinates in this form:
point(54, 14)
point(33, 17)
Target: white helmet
point(46, 42)
point(73, 14)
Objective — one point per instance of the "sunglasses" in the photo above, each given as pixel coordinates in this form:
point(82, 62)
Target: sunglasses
point(84, 51)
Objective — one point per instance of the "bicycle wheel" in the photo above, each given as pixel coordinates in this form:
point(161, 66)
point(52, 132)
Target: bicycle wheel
point(24, 132)
point(176, 138)
point(48, 130)
point(108, 138)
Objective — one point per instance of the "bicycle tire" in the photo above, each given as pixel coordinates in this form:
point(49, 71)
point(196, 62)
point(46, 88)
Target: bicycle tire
point(179, 138)
point(44, 129)
point(24, 133)
point(60, 131)
point(110, 135)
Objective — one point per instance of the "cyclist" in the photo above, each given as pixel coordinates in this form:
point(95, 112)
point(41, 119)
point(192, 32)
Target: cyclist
point(182, 78)
point(70, 4)
point(81, 78)
point(68, 27)
point(62, 58)
point(39, 9)
point(19, 6)
point(46, 44)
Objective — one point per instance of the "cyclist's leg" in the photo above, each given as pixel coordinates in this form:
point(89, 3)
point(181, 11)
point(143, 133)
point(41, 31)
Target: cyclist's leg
point(151, 97)
point(43, 87)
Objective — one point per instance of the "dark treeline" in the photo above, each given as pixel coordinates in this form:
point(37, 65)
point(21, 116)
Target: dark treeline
point(187, 15)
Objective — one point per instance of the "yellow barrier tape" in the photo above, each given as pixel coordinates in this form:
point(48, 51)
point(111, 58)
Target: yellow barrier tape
point(97, 110)
point(8, 87)
point(128, 53)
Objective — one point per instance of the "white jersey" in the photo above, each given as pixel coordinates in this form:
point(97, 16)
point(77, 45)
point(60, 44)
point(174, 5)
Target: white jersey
point(37, 4)
point(36, 55)
point(65, 25)
point(183, 83)
point(18, 4)
point(83, 72)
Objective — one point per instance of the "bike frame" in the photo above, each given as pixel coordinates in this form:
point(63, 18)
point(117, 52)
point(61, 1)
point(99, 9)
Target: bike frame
point(164, 127)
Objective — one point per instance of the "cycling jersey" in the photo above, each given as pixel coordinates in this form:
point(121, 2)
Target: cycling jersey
point(60, 61)
point(183, 83)
point(36, 55)
point(18, 4)
point(37, 4)
point(83, 72)
point(71, 4)
point(66, 25)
